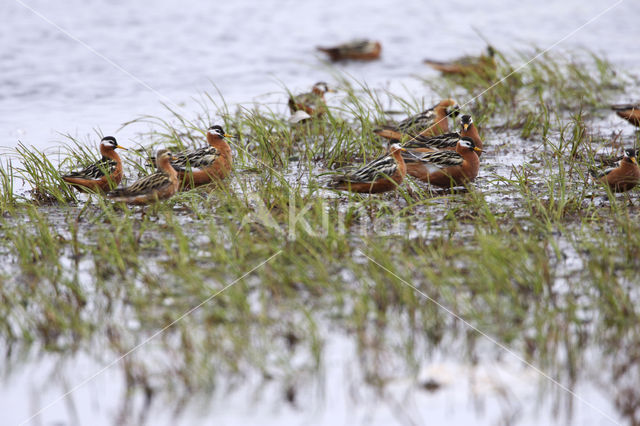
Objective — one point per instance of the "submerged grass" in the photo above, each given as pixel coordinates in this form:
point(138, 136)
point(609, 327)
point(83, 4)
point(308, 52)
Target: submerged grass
point(532, 254)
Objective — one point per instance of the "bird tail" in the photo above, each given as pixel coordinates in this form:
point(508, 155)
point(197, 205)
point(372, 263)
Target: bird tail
point(333, 52)
point(329, 50)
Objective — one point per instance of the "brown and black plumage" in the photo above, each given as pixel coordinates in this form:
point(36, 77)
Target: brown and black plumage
point(312, 102)
point(624, 177)
point(630, 112)
point(204, 165)
point(484, 65)
point(448, 141)
point(431, 122)
point(102, 175)
point(157, 186)
point(362, 50)
point(445, 168)
point(383, 174)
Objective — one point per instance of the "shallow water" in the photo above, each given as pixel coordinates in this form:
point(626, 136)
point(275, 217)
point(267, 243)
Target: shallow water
point(170, 52)
point(484, 393)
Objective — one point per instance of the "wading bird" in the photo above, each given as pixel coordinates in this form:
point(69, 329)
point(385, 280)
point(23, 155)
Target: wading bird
point(622, 178)
point(431, 122)
point(157, 186)
point(445, 168)
point(630, 112)
point(448, 141)
point(380, 175)
point(204, 165)
point(484, 65)
point(102, 175)
point(362, 50)
point(312, 102)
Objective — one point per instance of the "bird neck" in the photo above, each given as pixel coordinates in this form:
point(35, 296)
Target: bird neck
point(164, 165)
point(220, 144)
point(110, 153)
point(627, 164)
point(469, 156)
point(441, 118)
point(402, 167)
point(441, 112)
point(472, 132)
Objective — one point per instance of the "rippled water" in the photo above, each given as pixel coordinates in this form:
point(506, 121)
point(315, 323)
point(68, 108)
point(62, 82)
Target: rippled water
point(52, 82)
point(118, 60)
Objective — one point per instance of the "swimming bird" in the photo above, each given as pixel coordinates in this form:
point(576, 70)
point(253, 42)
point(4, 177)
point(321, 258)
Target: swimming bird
point(621, 178)
point(447, 141)
point(484, 64)
point(206, 164)
point(157, 186)
point(312, 102)
point(431, 122)
point(380, 175)
point(102, 175)
point(630, 112)
point(445, 168)
point(362, 50)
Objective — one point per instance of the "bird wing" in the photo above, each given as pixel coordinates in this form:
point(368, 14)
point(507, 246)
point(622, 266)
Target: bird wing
point(466, 60)
point(155, 181)
point(435, 160)
point(606, 171)
point(196, 159)
point(419, 121)
point(309, 100)
point(101, 168)
point(447, 140)
point(624, 107)
point(358, 46)
point(380, 167)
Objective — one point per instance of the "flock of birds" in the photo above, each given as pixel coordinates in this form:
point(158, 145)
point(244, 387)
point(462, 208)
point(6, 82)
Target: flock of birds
point(420, 145)
point(189, 168)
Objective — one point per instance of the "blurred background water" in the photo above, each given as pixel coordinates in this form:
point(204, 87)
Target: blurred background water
point(57, 72)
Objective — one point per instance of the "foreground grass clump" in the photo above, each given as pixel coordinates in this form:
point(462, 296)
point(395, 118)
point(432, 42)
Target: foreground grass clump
point(532, 254)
